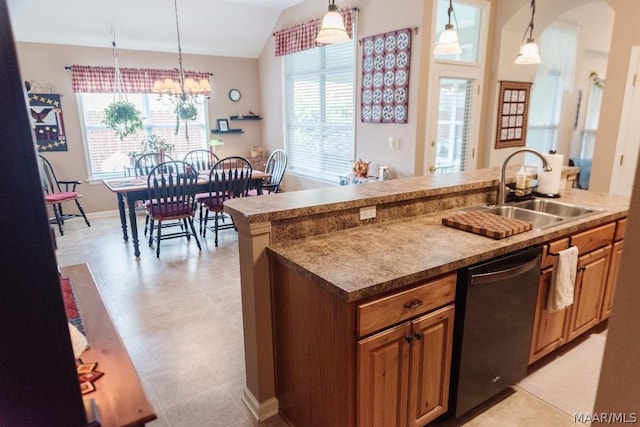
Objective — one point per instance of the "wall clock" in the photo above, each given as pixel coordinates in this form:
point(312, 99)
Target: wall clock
point(234, 95)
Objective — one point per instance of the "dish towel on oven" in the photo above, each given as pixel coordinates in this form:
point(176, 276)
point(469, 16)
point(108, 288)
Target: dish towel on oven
point(563, 278)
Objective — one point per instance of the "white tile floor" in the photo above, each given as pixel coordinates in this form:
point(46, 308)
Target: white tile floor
point(181, 321)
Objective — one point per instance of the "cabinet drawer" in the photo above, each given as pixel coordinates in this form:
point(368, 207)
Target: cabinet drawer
point(389, 310)
point(620, 229)
point(554, 248)
point(594, 238)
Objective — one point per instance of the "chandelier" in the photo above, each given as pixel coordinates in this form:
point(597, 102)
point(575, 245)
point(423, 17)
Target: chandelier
point(185, 92)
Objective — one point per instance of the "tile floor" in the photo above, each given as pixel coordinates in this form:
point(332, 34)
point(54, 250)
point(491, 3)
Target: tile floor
point(180, 319)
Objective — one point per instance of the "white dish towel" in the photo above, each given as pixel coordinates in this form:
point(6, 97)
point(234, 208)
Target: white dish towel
point(563, 279)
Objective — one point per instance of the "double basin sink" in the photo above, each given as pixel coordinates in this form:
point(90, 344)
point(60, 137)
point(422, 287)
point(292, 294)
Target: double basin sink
point(541, 213)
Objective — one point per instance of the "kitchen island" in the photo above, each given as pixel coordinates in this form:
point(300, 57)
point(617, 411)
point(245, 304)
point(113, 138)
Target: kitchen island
point(319, 235)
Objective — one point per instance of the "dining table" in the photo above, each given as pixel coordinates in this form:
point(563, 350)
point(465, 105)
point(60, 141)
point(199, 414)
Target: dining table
point(133, 189)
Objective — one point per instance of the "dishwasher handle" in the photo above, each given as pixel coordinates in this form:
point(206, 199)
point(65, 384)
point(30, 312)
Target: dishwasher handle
point(508, 273)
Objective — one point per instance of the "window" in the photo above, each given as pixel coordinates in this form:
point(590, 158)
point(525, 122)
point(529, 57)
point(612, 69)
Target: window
point(553, 77)
point(591, 119)
point(107, 155)
point(454, 89)
point(320, 110)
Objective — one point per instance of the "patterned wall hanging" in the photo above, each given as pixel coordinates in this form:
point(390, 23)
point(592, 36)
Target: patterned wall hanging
point(46, 120)
point(385, 77)
point(513, 110)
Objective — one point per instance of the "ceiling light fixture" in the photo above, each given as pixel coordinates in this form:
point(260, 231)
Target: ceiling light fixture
point(332, 29)
point(529, 53)
point(186, 91)
point(448, 42)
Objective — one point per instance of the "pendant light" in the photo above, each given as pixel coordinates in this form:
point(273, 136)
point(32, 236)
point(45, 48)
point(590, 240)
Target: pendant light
point(332, 29)
point(448, 42)
point(529, 53)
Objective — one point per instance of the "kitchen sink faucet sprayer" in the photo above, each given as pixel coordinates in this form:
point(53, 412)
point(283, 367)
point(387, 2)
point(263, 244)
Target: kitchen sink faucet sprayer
point(501, 195)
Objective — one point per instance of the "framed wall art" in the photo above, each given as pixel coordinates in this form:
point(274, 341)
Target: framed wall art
point(513, 110)
point(385, 77)
point(46, 120)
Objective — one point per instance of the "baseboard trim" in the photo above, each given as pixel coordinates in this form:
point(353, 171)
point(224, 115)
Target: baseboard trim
point(261, 411)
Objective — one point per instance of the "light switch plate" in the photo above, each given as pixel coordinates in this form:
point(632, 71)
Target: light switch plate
point(367, 212)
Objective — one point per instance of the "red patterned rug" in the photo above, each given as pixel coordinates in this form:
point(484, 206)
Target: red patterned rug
point(70, 305)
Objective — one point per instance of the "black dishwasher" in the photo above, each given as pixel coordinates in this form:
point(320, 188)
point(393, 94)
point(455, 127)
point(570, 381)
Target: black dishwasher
point(496, 305)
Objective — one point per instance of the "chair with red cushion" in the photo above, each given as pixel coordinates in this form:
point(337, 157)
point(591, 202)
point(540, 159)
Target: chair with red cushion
point(229, 178)
point(143, 166)
point(58, 192)
point(172, 191)
point(275, 166)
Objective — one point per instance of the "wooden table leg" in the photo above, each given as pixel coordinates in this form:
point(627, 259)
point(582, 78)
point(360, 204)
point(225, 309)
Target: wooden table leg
point(131, 201)
point(123, 216)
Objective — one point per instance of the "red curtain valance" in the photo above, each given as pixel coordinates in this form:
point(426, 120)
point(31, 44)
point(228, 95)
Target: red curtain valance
point(303, 36)
point(97, 79)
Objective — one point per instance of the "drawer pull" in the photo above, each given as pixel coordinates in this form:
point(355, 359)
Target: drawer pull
point(413, 304)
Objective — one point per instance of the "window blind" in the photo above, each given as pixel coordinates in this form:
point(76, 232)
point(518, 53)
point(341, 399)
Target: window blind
point(319, 110)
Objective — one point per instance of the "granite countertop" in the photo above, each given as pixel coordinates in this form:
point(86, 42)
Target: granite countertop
point(372, 259)
point(321, 200)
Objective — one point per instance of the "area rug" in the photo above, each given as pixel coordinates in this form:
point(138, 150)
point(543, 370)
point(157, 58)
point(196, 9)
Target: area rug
point(70, 304)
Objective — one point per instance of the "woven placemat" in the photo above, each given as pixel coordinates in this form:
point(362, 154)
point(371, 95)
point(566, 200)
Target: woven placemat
point(487, 224)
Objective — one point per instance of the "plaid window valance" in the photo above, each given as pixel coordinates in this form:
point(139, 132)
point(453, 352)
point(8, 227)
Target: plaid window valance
point(303, 36)
point(97, 79)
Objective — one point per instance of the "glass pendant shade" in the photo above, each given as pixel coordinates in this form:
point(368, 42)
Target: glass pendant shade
point(448, 43)
point(332, 29)
point(529, 53)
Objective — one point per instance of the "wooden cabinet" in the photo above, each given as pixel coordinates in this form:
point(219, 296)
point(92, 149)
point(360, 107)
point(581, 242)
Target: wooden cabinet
point(593, 291)
point(607, 300)
point(410, 363)
point(258, 163)
point(588, 291)
point(339, 364)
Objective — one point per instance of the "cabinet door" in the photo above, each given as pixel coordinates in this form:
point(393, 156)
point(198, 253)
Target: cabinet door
point(611, 280)
point(383, 375)
point(589, 289)
point(430, 366)
point(548, 328)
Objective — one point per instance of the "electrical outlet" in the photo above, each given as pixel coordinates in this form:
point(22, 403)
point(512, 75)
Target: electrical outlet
point(368, 212)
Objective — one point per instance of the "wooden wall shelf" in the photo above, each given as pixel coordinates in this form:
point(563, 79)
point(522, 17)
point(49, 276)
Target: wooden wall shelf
point(216, 131)
point(254, 117)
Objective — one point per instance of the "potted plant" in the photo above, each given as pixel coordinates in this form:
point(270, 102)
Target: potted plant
point(122, 117)
point(185, 111)
point(151, 144)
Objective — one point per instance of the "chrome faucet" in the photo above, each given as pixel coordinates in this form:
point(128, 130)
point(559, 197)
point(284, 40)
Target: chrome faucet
point(501, 195)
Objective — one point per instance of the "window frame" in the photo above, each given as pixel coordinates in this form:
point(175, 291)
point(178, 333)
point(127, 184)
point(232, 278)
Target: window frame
point(93, 176)
point(322, 175)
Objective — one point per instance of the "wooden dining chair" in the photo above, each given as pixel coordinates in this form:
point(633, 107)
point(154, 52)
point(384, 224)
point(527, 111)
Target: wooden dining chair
point(143, 165)
point(228, 178)
point(172, 191)
point(57, 192)
point(275, 166)
point(202, 159)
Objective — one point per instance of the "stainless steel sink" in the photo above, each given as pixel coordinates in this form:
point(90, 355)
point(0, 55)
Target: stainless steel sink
point(556, 208)
point(539, 220)
point(541, 213)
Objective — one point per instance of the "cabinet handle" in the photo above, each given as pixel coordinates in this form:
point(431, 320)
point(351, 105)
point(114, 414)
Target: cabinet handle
point(413, 304)
point(408, 339)
point(582, 268)
point(418, 335)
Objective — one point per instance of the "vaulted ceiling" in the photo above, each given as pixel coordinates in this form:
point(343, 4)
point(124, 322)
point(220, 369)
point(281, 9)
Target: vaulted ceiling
point(238, 28)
